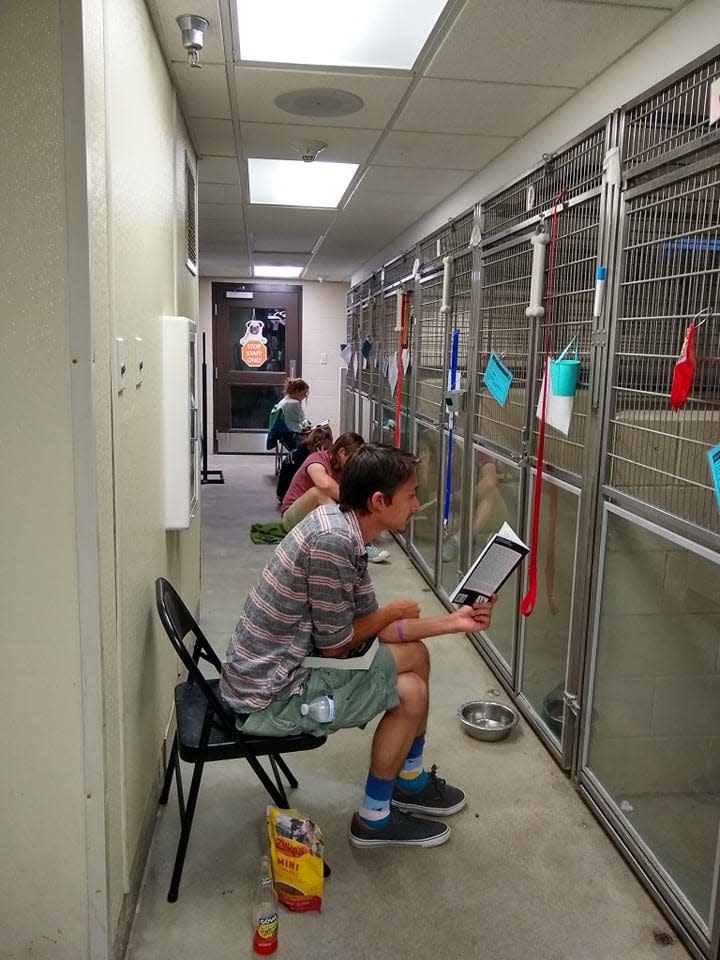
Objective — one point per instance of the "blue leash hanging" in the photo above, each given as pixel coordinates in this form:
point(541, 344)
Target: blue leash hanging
point(452, 385)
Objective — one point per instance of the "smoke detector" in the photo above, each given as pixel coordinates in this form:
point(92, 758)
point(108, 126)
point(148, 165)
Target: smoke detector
point(193, 30)
point(308, 149)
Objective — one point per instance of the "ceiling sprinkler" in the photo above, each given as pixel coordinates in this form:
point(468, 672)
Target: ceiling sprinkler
point(309, 149)
point(193, 30)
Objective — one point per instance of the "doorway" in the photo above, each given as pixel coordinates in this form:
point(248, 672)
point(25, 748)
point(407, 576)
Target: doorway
point(256, 346)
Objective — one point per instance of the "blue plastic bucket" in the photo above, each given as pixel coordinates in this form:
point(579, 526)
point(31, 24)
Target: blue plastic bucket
point(564, 376)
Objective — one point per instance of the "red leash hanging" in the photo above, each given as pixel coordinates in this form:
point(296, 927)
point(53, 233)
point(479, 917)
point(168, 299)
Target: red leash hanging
point(527, 604)
point(402, 343)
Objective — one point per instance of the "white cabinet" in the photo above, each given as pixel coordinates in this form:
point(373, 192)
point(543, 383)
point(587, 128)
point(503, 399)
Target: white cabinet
point(181, 460)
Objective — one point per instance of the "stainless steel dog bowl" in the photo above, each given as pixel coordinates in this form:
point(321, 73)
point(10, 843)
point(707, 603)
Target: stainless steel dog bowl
point(487, 719)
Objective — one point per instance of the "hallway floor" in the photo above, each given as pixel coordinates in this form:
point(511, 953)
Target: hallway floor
point(527, 874)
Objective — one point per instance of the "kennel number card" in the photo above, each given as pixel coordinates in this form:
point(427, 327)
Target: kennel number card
point(497, 378)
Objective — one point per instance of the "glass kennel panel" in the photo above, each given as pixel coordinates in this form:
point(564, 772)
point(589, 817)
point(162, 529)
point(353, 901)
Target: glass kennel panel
point(546, 632)
point(450, 532)
point(496, 485)
point(655, 724)
point(425, 523)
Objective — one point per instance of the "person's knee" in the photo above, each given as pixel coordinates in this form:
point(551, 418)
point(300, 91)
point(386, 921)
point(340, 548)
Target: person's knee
point(413, 693)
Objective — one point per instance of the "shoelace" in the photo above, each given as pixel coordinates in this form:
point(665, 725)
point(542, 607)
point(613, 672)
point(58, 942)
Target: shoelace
point(437, 781)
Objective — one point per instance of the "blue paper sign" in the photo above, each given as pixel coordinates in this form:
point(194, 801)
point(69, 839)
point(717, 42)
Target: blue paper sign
point(714, 461)
point(497, 379)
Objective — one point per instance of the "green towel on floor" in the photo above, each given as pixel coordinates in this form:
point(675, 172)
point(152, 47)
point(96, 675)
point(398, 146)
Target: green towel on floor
point(267, 533)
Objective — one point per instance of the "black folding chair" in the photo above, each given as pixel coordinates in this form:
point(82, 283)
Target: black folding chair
point(206, 728)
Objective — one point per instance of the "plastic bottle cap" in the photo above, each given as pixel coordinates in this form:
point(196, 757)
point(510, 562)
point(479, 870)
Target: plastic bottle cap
point(304, 709)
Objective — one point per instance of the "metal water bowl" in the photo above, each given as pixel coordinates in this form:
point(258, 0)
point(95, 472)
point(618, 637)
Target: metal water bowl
point(487, 719)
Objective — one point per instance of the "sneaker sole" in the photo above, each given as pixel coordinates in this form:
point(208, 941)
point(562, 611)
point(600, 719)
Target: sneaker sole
point(419, 809)
point(435, 841)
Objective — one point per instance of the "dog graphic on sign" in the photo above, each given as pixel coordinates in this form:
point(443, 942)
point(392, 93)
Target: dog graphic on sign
point(253, 349)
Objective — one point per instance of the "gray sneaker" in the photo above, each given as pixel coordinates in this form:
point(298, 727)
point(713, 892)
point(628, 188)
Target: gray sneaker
point(401, 830)
point(436, 799)
point(375, 554)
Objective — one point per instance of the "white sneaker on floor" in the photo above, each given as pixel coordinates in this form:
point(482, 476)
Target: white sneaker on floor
point(375, 554)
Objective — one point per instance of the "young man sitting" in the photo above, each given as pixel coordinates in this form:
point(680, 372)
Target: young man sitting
point(316, 597)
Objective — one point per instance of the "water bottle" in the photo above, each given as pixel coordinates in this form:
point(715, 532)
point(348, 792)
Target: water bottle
point(265, 912)
point(321, 709)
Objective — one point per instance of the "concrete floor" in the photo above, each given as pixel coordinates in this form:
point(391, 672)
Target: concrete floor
point(527, 872)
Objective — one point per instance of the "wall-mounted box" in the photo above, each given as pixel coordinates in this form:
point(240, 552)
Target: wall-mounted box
point(181, 460)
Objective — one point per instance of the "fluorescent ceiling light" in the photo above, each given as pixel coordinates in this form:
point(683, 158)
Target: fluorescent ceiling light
point(374, 33)
point(293, 183)
point(277, 271)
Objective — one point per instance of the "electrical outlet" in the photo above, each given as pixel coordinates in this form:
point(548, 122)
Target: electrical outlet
point(121, 363)
point(139, 361)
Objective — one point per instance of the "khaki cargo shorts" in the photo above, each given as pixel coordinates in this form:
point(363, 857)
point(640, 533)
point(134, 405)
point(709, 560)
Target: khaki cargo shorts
point(359, 696)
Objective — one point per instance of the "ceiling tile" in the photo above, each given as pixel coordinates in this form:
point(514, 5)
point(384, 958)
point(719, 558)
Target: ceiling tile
point(274, 141)
point(462, 106)
point(221, 211)
point(441, 150)
point(398, 180)
point(280, 242)
point(224, 265)
point(219, 193)
point(257, 87)
point(551, 42)
point(270, 219)
point(203, 93)
point(218, 170)
point(213, 137)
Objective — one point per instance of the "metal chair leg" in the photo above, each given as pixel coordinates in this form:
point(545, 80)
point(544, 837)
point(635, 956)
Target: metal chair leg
point(289, 776)
point(186, 824)
point(169, 771)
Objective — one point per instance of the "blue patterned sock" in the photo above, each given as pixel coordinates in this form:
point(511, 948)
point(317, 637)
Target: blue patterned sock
point(412, 776)
point(375, 808)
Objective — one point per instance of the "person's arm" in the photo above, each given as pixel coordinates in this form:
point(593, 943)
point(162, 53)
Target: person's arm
point(463, 620)
point(323, 481)
point(372, 624)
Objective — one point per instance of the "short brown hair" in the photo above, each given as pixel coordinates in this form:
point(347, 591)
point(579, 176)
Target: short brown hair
point(350, 443)
point(294, 386)
point(375, 468)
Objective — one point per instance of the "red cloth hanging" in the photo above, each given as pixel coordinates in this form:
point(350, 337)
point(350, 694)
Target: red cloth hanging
point(684, 371)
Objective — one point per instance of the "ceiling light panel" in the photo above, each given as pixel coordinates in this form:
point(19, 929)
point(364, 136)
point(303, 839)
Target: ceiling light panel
point(292, 183)
point(269, 271)
point(376, 34)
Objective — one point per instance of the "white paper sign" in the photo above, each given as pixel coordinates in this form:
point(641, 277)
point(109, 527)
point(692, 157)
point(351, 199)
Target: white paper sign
point(405, 360)
point(392, 373)
point(559, 409)
point(715, 101)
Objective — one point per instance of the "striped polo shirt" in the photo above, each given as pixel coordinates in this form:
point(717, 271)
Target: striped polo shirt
point(312, 590)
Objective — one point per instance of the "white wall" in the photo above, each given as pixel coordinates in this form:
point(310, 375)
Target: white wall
point(92, 228)
point(42, 826)
point(691, 32)
point(324, 313)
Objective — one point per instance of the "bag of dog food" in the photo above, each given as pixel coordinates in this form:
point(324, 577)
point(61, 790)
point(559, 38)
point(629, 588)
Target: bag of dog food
point(296, 852)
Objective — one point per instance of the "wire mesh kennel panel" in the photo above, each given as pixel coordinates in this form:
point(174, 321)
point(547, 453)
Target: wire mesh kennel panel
point(453, 238)
point(578, 166)
point(674, 120)
point(430, 330)
point(569, 319)
point(669, 274)
point(505, 330)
